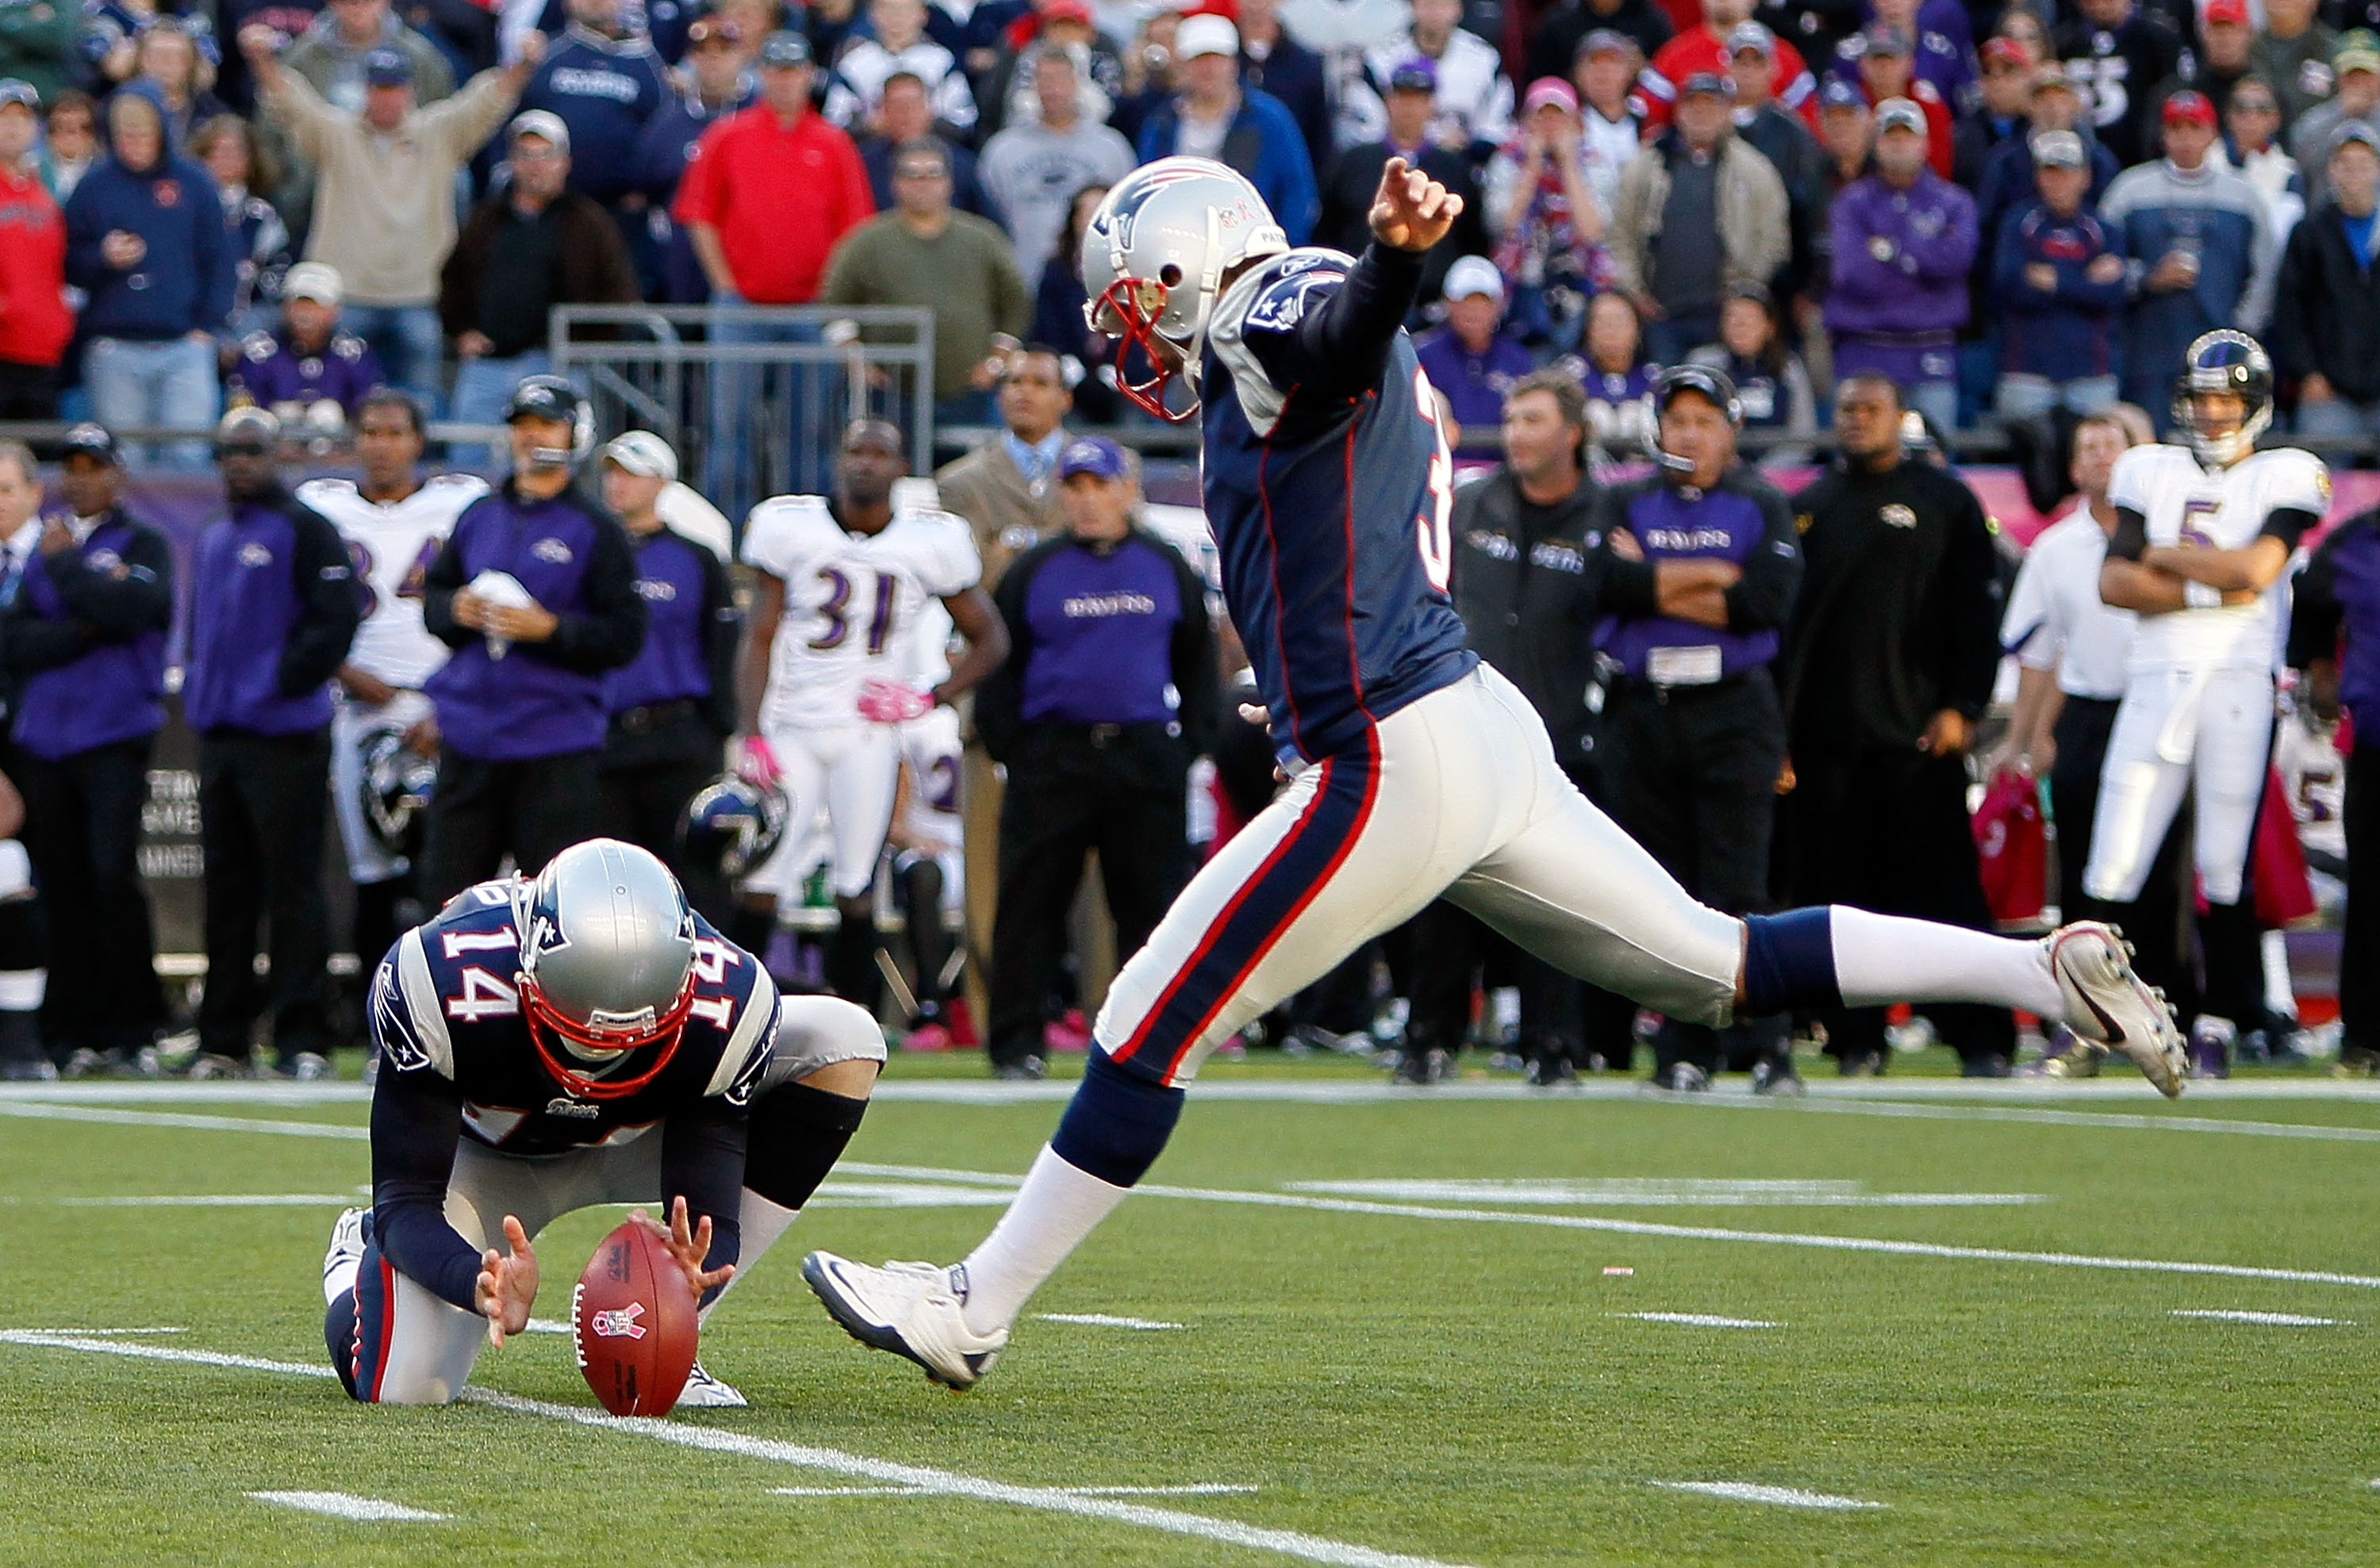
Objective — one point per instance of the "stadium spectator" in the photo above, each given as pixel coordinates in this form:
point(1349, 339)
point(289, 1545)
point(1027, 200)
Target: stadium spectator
point(604, 80)
point(2251, 123)
point(2357, 67)
point(171, 70)
point(2196, 238)
point(304, 363)
point(2007, 179)
point(1943, 55)
point(2220, 63)
point(2059, 284)
point(531, 246)
point(1699, 50)
point(1617, 380)
point(2116, 53)
point(1151, 74)
point(247, 176)
point(2335, 639)
point(1549, 219)
point(273, 608)
point(1846, 139)
point(2326, 307)
point(1213, 117)
point(1524, 583)
point(38, 49)
point(384, 212)
point(1472, 112)
point(896, 41)
point(901, 116)
point(672, 707)
point(1007, 488)
point(1562, 31)
point(1699, 214)
point(1904, 240)
point(69, 142)
point(1354, 175)
point(1032, 169)
point(1696, 580)
point(1786, 140)
point(85, 646)
point(1108, 695)
point(35, 322)
point(955, 264)
point(334, 54)
point(1058, 314)
point(2002, 115)
point(146, 241)
point(1470, 360)
point(1772, 387)
point(1888, 663)
point(536, 594)
point(1610, 116)
point(1883, 63)
point(2293, 54)
point(1274, 62)
point(718, 84)
point(1006, 96)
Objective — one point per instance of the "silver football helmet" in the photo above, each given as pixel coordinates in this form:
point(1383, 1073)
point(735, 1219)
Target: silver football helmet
point(1153, 263)
point(607, 967)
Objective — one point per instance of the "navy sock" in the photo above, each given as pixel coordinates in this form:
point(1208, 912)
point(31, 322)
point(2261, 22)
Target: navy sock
point(1789, 961)
point(339, 1335)
point(1117, 1124)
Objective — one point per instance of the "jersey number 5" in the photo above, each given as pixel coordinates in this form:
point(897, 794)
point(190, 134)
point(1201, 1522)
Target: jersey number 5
point(1435, 522)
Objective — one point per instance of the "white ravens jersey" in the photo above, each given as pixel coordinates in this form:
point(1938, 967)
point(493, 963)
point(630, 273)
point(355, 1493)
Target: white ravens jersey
point(392, 548)
point(2185, 503)
point(852, 601)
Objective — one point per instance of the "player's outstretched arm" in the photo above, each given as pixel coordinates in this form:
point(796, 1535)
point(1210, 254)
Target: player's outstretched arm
point(1411, 210)
point(507, 1284)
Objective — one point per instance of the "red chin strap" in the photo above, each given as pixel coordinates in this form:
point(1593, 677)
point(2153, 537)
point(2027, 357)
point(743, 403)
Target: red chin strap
point(1136, 304)
point(665, 1032)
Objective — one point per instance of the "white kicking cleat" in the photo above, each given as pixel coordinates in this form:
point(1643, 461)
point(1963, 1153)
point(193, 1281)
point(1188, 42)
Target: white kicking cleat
point(345, 1255)
point(2106, 1005)
point(909, 1310)
point(703, 1391)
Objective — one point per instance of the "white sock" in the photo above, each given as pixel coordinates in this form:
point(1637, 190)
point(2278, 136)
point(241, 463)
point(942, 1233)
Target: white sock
point(1058, 1206)
point(1883, 958)
point(759, 1224)
point(339, 1281)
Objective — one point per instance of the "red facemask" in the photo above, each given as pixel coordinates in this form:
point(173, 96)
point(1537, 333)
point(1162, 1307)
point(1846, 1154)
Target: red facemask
point(1135, 305)
point(665, 1032)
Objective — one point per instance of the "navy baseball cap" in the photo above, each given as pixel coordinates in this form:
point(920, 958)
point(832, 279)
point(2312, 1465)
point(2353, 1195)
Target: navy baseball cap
point(1092, 454)
point(87, 440)
point(388, 68)
point(784, 50)
point(1839, 94)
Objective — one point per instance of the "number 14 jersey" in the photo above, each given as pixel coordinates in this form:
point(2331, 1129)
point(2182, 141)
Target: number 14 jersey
point(851, 600)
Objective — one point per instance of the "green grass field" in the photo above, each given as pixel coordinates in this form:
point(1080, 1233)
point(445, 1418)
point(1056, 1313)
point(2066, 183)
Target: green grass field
point(1429, 1374)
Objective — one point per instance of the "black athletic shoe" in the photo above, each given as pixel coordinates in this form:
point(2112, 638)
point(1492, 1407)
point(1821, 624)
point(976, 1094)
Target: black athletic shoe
point(1680, 1078)
point(1776, 1076)
point(1552, 1072)
point(1424, 1067)
point(1861, 1064)
point(1024, 1069)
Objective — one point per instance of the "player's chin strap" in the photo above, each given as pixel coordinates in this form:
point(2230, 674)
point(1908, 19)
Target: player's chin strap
point(665, 1032)
point(1137, 305)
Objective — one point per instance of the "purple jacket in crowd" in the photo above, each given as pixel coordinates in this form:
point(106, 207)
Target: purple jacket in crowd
point(272, 611)
point(85, 635)
point(1900, 259)
point(539, 699)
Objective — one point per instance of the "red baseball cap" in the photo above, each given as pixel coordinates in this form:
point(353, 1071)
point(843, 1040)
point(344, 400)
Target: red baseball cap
point(2015, 51)
point(2189, 107)
point(1066, 11)
point(2232, 11)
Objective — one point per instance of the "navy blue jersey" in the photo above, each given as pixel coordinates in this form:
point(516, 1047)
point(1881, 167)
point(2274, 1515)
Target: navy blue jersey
point(458, 1062)
point(1330, 490)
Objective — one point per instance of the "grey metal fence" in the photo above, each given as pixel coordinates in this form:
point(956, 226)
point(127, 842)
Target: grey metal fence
point(753, 397)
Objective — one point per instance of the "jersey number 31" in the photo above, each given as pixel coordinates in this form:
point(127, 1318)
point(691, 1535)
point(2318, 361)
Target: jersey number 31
point(1435, 522)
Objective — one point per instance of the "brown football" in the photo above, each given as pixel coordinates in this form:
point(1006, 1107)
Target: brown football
point(632, 1319)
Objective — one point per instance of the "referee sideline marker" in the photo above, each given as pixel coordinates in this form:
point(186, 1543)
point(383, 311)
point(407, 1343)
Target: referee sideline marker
point(925, 1479)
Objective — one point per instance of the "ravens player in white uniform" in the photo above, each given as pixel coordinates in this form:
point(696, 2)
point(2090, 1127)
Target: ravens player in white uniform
point(395, 523)
point(823, 678)
point(2203, 538)
point(928, 839)
point(1415, 769)
point(585, 1038)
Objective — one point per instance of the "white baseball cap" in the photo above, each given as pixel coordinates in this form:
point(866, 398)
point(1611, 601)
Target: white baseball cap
point(317, 281)
point(1206, 33)
point(641, 451)
point(1474, 275)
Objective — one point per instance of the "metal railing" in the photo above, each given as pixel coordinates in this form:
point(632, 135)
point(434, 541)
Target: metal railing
point(753, 397)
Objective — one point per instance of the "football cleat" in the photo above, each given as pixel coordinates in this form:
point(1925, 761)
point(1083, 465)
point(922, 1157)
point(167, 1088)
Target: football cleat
point(306, 1067)
point(1680, 1078)
point(349, 1234)
point(703, 1391)
point(2078, 1058)
point(1776, 1077)
point(2106, 1003)
point(908, 1308)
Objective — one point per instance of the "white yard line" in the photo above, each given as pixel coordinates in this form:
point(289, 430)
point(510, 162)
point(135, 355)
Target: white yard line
point(2115, 1121)
point(217, 1200)
point(1700, 1320)
point(346, 1506)
point(1782, 1497)
point(923, 1479)
point(1200, 1489)
point(1662, 1192)
point(1101, 1320)
point(2275, 1319)
point(44, 1112)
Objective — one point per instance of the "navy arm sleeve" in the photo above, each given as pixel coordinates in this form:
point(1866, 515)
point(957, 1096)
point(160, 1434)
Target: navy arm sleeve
point(417, 1117)
point(1340, 351)
point(702, 1160)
